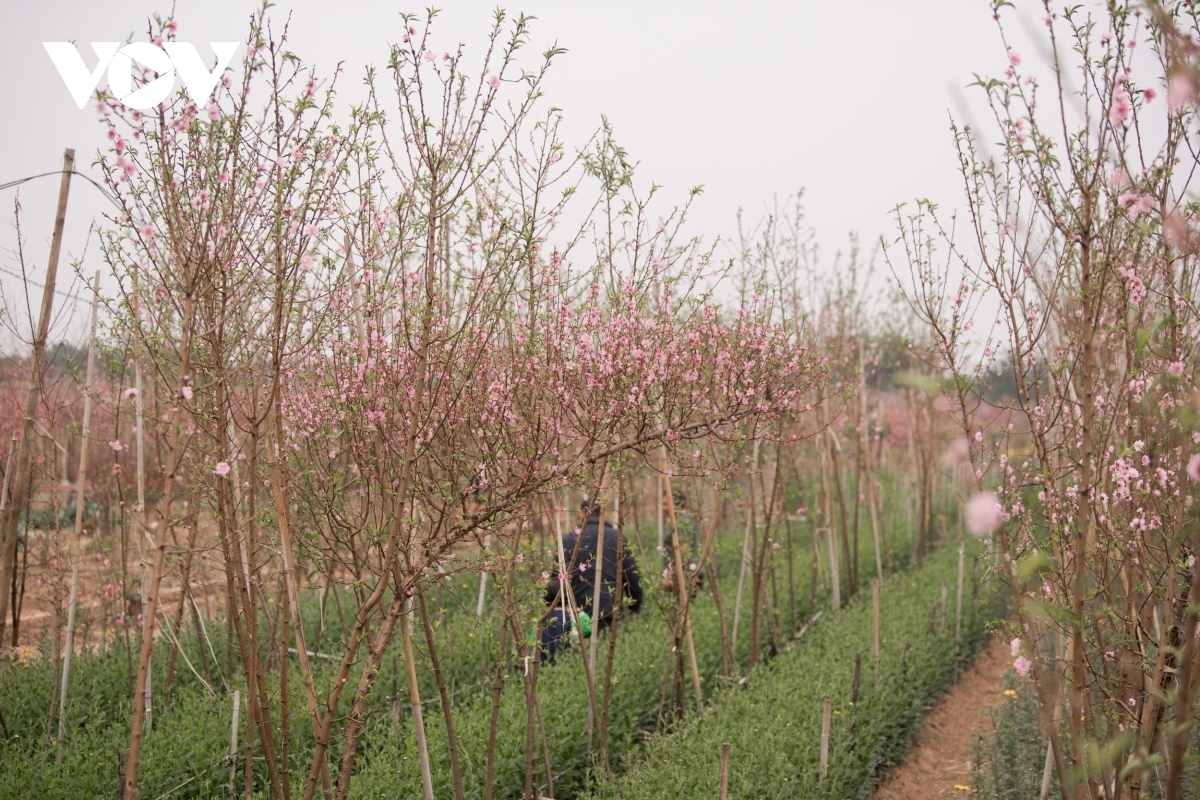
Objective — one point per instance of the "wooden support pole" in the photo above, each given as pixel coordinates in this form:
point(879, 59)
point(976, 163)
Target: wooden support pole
point(414, 691)
point(483, 580)
point(597, 578)
point(723, 790)
point(875, 621)
point(835, 576)
point(812, 590)
point(826, 720)
point(854, 701)
point(681, 586)
point(395, 692)
point(12, 448)
point(942, 615)
point(233, 742)
point(962, 555)
point(77, 533)
point(737, 607)
point(8, 554)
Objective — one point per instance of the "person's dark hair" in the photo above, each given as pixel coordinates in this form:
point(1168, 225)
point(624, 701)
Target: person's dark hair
point(590, 507)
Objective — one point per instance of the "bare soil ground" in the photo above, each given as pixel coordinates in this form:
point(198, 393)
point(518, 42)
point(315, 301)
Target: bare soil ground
point(98, 609)
point(940, 758)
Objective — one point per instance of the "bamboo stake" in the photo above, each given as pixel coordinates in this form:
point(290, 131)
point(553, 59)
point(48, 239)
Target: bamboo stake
point(293, 599)
point(874, 519)
point(875, 622)
point(683, 588)
point(147, 692)
point(835, 576)
point(596, 589)
point(568, 595)
point(865, 446)
point(812, 588)
point(942, 614)
point(723, 790)
point(80, 481)
point(395, 692)
point(483, 580)
point(826, 720)
point(233, 743)
point(8, 555)
point(414, 691)
point(962, 554)
point(12, 447)
point(1059, 702)
point(661, 530)
point(737, 606)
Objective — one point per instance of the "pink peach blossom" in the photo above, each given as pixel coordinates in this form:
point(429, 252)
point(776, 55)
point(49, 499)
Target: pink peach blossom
point(958, 451)
point(1023, 666)
point(1179, 93)
point(983, 514)
point(1193, 467)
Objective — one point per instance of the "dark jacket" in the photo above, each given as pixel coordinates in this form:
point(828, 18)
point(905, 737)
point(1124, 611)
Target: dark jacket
point(583, 570)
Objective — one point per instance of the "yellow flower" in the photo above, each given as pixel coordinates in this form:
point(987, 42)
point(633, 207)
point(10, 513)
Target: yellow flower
point(958, 787)
point(1010, 693)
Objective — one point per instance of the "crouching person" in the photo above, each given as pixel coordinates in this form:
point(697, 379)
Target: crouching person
point(580, 548)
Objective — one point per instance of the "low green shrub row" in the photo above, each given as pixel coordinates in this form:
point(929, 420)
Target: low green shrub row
point(390, 768)
point(186, 753)
point(774, 723)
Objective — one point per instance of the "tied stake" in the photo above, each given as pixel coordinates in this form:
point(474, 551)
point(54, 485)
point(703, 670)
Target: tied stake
point(826, 720)
point(723, 790)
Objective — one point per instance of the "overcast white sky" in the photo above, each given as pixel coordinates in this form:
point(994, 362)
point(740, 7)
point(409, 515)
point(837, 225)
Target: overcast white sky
point(750, 99)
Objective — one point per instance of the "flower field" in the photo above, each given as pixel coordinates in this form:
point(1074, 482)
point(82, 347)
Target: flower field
point(411, 448)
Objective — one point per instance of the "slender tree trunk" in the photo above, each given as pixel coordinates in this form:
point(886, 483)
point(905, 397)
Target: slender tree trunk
point(1182, 724)
point(149, 613)
point(612, 651)
point(185, 572)
point(726, 643)
point(447, 713)
point(279, 481)
point(23, 482)
point(284, 701)
point(762, 556)
point(684, 622)
point(16, 601)
point(498, 683)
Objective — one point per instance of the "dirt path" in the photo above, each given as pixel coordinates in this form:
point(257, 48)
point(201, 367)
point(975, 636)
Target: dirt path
point(940, 758)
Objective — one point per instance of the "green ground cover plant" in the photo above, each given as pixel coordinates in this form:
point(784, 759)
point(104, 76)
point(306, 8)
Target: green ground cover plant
point(774, 723)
